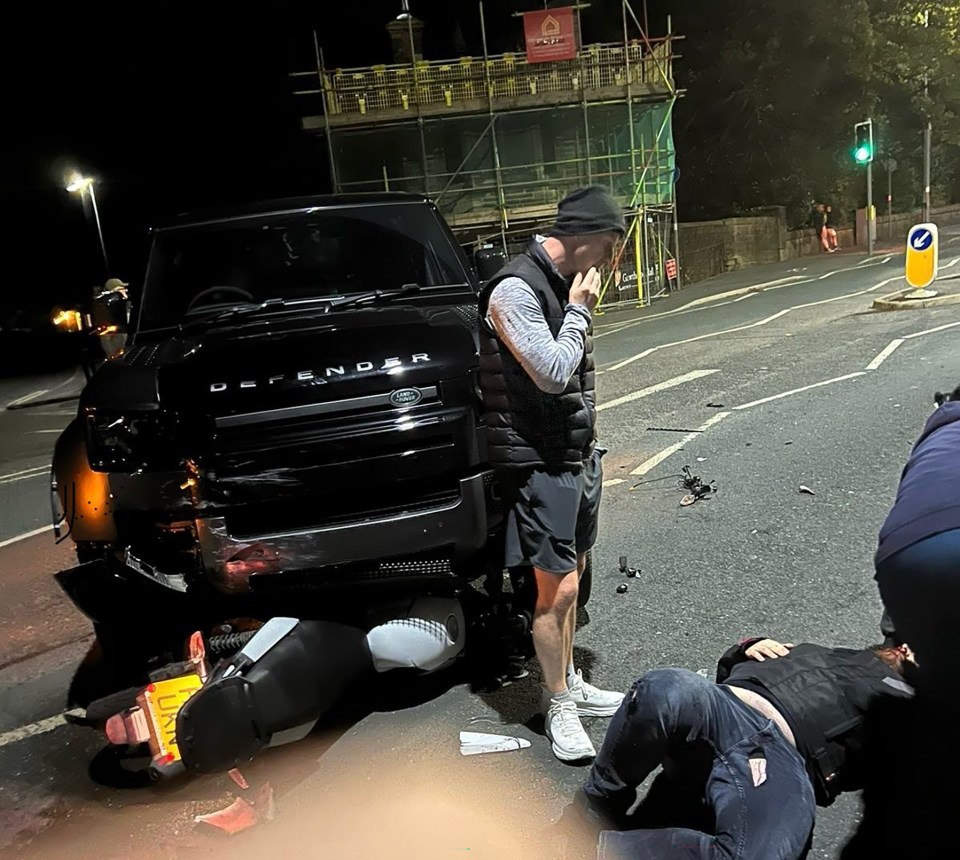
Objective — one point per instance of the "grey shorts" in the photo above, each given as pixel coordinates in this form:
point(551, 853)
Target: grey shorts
point(552, 515)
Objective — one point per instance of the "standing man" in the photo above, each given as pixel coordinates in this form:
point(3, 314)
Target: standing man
point(536, 373)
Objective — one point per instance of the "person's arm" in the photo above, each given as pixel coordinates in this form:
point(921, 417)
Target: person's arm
point(758, 648)
point(515, 314)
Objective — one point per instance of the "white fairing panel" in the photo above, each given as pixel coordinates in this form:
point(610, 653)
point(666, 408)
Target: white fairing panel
point(429, 638)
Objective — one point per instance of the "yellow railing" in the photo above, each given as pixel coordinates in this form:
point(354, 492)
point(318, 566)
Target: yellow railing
point(453, 83)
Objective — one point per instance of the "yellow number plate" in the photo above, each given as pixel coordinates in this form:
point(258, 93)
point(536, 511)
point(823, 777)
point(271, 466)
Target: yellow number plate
point(162, 701)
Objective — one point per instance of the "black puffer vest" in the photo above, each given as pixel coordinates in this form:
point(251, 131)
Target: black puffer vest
point(526, 426)
point(828, 696)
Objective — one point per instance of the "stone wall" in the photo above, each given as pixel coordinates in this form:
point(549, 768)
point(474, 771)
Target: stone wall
point(708, 248)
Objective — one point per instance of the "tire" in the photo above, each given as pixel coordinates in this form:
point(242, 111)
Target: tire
point(586, 582)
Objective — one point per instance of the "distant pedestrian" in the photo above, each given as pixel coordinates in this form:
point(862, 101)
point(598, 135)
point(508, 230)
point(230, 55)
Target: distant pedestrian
point(830, 228)
point(818, 220)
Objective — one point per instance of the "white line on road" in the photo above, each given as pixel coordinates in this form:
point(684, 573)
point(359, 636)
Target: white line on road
point(930, 330)
point(33, 395)
point(25, 535)
point(647, 352)
point(657, 459)
point(38, 728)
point(653, 389)
point(47, 431)
point(884, 354)
point(627, 361)
point(613, 482)
point(25, 473)
point(874, 261)
point(799, 390)
point(747, 296)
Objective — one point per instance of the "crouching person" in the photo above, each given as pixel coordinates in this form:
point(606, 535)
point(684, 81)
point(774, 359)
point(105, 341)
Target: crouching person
point(746, 759)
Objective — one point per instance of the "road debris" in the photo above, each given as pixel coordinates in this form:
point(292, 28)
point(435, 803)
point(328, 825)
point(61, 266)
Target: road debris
point(478, 743)
point(807, 490)
point(238, 816)
point(714, 406)
point(241, 814)
point(695, 487)
point(238, 778)
point(622, 588)
point(632, 572)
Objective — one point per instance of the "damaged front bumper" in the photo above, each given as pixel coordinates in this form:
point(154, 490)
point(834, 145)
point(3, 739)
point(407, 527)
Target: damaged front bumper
point(460, 527)
point(111, 591)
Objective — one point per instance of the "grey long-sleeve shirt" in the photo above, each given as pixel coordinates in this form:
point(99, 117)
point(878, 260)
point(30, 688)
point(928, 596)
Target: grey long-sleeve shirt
point(514, 313)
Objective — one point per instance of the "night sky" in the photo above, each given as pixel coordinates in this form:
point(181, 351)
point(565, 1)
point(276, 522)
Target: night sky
point(174, 106)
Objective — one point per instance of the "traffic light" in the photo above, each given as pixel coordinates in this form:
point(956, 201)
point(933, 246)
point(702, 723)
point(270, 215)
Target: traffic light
point(863, 146)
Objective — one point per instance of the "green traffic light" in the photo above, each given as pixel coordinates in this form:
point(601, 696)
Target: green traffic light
point(862, 154)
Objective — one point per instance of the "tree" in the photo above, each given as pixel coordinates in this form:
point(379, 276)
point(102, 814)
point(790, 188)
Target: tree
point(774, 89)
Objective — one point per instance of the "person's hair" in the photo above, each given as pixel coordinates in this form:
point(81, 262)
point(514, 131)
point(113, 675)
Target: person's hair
point(891, 655)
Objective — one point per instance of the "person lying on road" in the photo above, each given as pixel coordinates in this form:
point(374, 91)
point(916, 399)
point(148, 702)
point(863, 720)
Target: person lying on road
point(746, 759)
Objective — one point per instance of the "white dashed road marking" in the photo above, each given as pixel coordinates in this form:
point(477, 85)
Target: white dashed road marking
point(38, 728)
point(653, 389)
point(792, 391)
point(657, 459)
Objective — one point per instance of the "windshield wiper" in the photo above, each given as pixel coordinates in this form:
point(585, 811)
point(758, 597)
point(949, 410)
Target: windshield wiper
point(248, 310)
point(373, 296)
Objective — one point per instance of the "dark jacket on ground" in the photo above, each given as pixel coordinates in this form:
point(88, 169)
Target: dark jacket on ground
point(826, 696)
point(928, 498)
point(527, 427)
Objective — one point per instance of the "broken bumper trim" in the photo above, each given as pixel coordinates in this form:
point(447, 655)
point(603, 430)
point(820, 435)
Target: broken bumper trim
point(463, 524)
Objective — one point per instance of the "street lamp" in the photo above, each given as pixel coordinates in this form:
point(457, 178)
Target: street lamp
point(79, 184)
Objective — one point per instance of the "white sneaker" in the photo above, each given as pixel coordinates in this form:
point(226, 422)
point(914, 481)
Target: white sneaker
point(591, 701)
point(563, 727)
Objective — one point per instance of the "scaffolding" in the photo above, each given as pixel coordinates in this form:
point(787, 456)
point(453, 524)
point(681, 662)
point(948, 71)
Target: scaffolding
point(497, 141)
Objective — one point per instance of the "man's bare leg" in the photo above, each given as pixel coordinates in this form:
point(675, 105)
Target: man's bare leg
point(553, 615)
point(570, 626)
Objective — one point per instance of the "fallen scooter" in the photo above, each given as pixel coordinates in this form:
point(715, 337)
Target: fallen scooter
point(273, 689)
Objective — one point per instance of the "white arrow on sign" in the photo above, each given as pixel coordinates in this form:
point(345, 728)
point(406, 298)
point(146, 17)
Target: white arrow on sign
point(920, 240)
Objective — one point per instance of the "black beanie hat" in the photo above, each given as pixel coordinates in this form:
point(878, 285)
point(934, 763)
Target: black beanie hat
point(588, 210)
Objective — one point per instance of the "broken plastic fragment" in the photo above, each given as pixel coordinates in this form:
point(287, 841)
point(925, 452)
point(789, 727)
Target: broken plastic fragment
point(237, 777)
point(238, 816)
point(807, 490)
point(477, 743)
point(266, 806)
point(714, 406)
point(622, 588)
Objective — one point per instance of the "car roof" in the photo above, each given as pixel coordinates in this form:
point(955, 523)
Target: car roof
point(288, 206)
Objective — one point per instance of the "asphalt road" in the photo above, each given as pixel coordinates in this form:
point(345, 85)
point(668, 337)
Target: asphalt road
point(806, 390)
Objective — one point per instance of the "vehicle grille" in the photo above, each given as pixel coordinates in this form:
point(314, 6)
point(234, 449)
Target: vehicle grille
point(420, 567)
point(143, 356)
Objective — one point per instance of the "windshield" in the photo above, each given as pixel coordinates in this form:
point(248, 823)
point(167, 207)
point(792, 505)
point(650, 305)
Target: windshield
point(317, 254)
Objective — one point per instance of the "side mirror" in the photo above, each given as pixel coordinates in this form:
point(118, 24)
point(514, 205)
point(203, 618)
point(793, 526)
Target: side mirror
point(488, 261)
point(110, 312)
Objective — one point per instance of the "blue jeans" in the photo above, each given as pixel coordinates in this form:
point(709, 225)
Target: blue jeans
point(705, 737)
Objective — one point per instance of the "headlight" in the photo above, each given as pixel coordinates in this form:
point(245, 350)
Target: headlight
point(124, 443)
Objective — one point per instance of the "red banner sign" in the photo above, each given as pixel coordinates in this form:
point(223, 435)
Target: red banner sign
point(671, 268)
point(550, 35)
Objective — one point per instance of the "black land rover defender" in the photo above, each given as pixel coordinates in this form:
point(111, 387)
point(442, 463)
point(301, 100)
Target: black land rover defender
point(291, 429)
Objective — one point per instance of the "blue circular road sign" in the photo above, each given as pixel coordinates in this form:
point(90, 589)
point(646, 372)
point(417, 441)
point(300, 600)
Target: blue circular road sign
point(920, 238)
